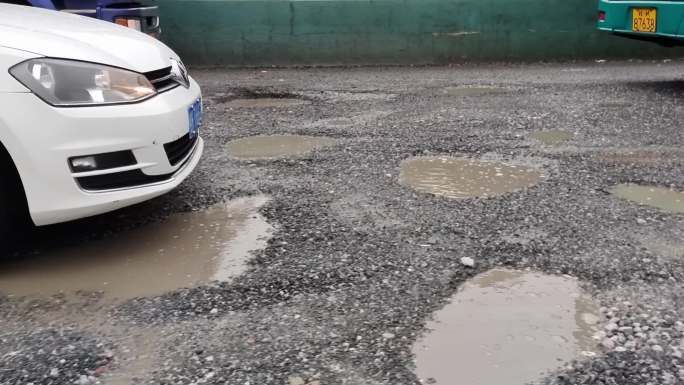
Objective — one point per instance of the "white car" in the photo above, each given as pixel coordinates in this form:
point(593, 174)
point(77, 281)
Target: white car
point(93, 117)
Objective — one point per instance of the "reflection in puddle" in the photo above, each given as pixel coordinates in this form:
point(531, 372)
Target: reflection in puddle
point(472, 91)
point(186, 250)
point(461, 178)
point(275, 146)
point(551, 138)
point(267, 103)
point(507, 327)
point(659, 197)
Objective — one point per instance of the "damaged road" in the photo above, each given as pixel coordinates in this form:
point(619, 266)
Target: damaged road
point(357, 261)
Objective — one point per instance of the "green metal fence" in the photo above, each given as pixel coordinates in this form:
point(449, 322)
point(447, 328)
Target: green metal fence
point(281, 32)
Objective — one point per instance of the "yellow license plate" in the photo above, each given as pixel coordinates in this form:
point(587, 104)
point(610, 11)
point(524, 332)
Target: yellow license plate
point(644, 20)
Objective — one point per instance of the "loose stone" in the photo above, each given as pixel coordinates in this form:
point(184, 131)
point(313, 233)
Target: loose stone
point(608, 343)
point(467, 261)
point(295, 380)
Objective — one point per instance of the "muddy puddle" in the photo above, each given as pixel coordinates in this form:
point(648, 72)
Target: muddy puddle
point(462, 178)
point(275, 146)
point(507, 327)
point(668, 200)
point(552, 138)
point(672, 248)
point(267, 103)
point(186, 250)
point(640, 156)
point(472, 91)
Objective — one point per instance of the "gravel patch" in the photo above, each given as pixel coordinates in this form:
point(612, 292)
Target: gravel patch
point(51, 356)
point(359, 263)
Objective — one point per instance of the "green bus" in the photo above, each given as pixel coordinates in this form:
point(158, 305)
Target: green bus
point(658, 21)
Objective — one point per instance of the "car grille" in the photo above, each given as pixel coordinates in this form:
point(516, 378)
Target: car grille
point(162, 79)
point(177, 150)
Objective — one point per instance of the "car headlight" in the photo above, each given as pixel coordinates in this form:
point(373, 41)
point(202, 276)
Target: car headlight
point(69, 83)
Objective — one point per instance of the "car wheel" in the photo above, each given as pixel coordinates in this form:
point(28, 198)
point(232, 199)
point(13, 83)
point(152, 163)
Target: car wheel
point(14, 216)
point(6, 216)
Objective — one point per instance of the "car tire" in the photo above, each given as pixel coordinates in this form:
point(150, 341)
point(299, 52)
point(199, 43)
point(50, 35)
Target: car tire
point(6, 216)
point(15, 222)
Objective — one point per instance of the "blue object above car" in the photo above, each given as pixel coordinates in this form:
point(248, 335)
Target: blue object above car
point(141, 15)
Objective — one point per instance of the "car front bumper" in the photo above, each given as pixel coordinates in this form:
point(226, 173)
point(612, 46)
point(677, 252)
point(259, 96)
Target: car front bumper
point(669, 23)
point(41, 139)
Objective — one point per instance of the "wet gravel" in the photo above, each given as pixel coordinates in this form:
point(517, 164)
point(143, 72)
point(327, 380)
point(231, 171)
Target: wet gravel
point(358, 262)
point(51, 356)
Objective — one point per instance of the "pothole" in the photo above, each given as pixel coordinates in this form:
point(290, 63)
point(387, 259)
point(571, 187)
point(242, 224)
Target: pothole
point(186, 250)
point(357, 96)
point(472, 91)
point(461, 178)
point(275, 146)
point(639, 156)
point(552, 138)
point(258, 98)
point(266, 103)
point(662, 246)
point(668, 200)
point(507, 327)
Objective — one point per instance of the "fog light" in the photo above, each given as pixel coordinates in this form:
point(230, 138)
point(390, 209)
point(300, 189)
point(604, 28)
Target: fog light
point(130, 23)
point(102, 161)
point(84, 163)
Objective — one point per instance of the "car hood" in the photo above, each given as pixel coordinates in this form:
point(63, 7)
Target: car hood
point(62, 35)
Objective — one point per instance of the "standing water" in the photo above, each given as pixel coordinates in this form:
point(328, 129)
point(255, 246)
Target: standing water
point(462, 178)
point(186, 250)
point(506, 327)
point(275, 146)
point(663, 198)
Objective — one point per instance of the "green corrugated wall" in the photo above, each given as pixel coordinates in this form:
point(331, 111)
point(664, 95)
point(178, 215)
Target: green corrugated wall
point(282, 32)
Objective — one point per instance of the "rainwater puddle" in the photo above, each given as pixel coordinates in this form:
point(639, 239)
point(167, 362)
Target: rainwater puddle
point(552, 138)
point(351, 96)
point(668, 248)
point(275, 146)
point(472, 91)
point(507, 327)
point(186, 250)
point(461, 178)
point(267, 103)
point(660, 197)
